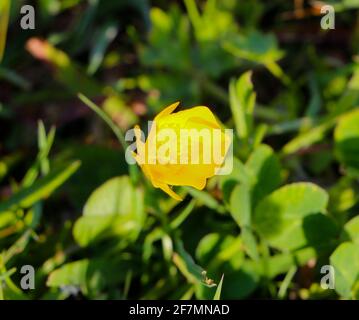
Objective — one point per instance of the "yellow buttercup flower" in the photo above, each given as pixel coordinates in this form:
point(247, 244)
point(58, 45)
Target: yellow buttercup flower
point(182, 149)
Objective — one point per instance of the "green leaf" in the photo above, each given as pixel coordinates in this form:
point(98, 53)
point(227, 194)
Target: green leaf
point(263, 167)
point(41, 189)
point(345, 260)
point(263, 176)
point(115, 208)
point(250, 243)
point(42, 163)
point(347, 139)
point(240, 283)
point(281, 263)
point(315, 230)
point(240, 205)
point(192, 272)
point(4, 21)
point(214, 249)
point(308, 138)
point(343, 195)
point(217, 295)
point(259, 48)
point(7, 218)
point(286, 207)
point(242, 101)
point(228, 182)
point(351, 229)
point(91, 276)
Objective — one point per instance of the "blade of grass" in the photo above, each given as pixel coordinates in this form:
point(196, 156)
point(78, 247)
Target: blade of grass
point(41, 189)
point(217, 295)
point(105, 117)
point(4, 22)
point(177, 221)
point(42, 162)
point(286, 282)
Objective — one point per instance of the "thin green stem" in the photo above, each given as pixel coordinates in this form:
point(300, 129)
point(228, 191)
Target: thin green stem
point(286, 282)
point(133, 170)
point(193, 14)
point(116, 130)
point(1, 291)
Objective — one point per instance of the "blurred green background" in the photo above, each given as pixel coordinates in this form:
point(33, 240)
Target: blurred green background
point(94, 228)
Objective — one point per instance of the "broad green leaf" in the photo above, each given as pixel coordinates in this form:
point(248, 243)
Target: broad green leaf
point(191, 271)
point(350, 97)
point(115, 208)
point(91, 275)
point(114, 197)
point(343, 195)
point(315, 230)
point(228, 182)
point(88, 229)
point(223, 254)
point(240, 283)
point(86, 179)
point(250, 243)
point(347, 139)
point(282, 209)
point(281, 263)
point(263, 167)
point(240, 205)
point(351, 229)
point(73, 273)
point(214, 249)
point(41, 189)
point(345, 260)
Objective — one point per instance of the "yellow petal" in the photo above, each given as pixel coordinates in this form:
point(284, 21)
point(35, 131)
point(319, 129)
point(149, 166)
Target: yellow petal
point(183, 174)
point(167, 111)
point(169, 191)
point(203, 117)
